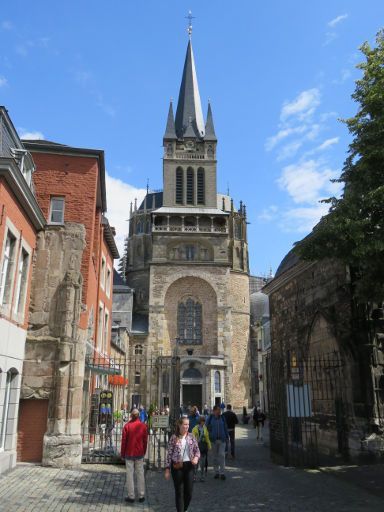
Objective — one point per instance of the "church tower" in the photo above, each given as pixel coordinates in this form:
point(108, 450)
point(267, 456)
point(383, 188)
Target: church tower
point(187, 261)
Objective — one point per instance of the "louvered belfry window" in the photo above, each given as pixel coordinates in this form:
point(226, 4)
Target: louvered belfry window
point(190, 186)
point(200, 186)
point(179, 185)
point(189, 322)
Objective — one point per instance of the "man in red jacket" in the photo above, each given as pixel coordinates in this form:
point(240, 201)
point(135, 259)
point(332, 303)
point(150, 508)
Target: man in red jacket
point(133, 448)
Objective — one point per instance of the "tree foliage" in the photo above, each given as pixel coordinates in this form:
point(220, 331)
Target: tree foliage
point(353, 230)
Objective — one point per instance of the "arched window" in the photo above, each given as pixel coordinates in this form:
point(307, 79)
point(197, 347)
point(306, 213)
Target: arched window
point(190, 186)
point(217, 382)
point(138, 350)
point(200, 186)
point(192, 373)
point(179, 185)
point(189, 319)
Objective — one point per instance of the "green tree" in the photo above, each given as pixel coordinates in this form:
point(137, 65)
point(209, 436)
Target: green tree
point(353, 230)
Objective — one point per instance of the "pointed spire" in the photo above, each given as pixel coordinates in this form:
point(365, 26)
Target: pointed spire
point(209, 126)
point(189, 110)
point(170, 132)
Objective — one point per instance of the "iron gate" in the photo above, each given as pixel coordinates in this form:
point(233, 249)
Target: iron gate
point(308, 425)
point(112, 387)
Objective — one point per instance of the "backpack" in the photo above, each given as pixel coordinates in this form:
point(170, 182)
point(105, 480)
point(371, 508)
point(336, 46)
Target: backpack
point(203, 446)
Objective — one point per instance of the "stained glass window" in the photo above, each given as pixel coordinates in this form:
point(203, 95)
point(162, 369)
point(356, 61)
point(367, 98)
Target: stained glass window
point(189, 322)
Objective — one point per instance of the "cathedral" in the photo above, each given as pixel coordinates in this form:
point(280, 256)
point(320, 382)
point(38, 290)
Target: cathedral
point(187, 261)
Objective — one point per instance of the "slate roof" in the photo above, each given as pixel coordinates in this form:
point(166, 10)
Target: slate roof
point(289, 261)
point(189, 120)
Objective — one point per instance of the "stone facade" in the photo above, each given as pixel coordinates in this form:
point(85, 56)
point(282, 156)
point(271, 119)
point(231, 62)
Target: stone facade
point(55, 348)
point(314, 318)
point(188, 245)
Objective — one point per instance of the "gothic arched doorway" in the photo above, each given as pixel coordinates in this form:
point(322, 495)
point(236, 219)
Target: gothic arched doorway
point(192, 388)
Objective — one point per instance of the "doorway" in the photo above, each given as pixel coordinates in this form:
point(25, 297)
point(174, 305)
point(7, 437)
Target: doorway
point(193, 395)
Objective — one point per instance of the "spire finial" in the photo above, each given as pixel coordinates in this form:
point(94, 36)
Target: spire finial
point(190, 18)
point(147, 185)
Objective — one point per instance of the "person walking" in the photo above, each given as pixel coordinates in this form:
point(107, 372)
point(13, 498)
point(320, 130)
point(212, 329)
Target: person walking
point(218, 434)
point(193, 418)
point(232, 421)
point(258, 422)
point(183, 455)
point(133, 447)
point(143, 414)
point(201, 433)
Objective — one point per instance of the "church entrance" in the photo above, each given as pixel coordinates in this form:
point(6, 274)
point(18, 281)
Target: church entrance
point(193, 395)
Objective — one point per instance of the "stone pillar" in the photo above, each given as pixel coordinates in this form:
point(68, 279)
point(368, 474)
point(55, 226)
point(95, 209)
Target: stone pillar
point(54, 338)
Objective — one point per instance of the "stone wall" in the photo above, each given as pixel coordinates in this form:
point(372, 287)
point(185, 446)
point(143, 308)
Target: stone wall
point(312, 316)
point(54, 363)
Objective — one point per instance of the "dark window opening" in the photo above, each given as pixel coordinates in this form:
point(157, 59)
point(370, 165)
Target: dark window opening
point(189, 322)
point(200, 186)
point(190, 186)
point(179, 186)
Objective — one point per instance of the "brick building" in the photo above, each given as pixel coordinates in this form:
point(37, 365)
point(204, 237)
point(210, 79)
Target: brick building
point(187, 260)
point(71, 302)
point(20, 221)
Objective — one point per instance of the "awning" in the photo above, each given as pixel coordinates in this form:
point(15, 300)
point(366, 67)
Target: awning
point(102, 370)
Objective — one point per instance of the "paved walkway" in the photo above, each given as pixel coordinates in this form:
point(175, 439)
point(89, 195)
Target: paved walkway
point(253, 484)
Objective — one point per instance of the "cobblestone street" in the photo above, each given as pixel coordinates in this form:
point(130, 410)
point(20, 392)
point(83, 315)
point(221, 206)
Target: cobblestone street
point(253, 483)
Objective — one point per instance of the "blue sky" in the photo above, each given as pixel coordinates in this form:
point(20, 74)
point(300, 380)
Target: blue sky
point(279, 75)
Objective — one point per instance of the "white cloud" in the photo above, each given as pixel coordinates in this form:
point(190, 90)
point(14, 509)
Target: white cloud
point(119, 197)
point(344, 75)
point(327, 143)
point(268, 214)
point(337, 20)
point(30, 135)
point(3, 81)
point(303, 106)
point(307, 181)
point(302, 220)
point(283, 134)
point(289, 150)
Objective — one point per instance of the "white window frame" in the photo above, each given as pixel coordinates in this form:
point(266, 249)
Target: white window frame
point(21, 292)
point(7, 397)
point(100, 327)
point(9, 229)
point(103, 272)
point(50, 211)
point(106, 329)
point(108, 280)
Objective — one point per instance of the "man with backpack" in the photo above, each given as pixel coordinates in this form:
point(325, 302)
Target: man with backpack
point(219, 437)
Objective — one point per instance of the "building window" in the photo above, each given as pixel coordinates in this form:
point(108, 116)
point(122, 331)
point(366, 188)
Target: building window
point(102, 272)
point(189, 320)
point(137, 377)
point(179, 186)
point(108, 282)
point(56, 215)
point(22, 282)
point(100, 327)
point(5, 403)
point(200, 186)
point(7, 269)
point(190, 252)
point(138, 350)
point(106, 332)
point(217, 382)
point(190, 186)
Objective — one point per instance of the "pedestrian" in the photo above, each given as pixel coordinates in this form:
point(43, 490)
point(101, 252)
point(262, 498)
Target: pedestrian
point(193, 418)
point(201, 433)
point(232, 421)
point(133, 447)
point(143, 414)
point(218, 434)
point(206, 410)
point(258, 422)
point(182, 456)
point(222, 406)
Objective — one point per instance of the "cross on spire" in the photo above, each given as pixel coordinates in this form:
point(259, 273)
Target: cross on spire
point(190, 18)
